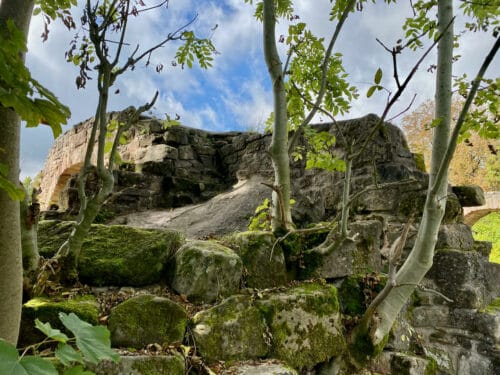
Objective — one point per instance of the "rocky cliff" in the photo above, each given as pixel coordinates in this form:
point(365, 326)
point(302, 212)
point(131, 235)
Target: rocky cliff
point(205, 184)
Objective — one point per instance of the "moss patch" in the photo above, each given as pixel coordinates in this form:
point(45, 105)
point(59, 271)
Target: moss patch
point(117, 254)
point(493, 307)
point(47, 310)
point(147, 319)
point(488, 229)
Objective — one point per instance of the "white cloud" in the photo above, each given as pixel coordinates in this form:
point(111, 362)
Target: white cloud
point(235, 93)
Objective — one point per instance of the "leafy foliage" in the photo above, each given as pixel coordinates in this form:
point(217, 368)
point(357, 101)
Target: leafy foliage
point(262, 218)
point(488, 229)
point(92, 345)
point(34, 103)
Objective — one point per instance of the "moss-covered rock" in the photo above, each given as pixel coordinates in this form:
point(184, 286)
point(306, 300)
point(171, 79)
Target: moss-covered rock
point(147, 319)
point(263, 260)
point(359, 253)
point(143, 365)
point(304, 323)
point(115, 255)
point(205, 271)
point(233, 330)
point(47, 310)
point(299, 325)
point(357, 291)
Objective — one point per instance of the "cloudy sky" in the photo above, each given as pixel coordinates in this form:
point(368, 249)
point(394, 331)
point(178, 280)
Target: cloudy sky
point(235, 94)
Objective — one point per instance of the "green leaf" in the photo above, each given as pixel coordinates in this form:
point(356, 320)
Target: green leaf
point(66, 354)
point(50, 332)
point(11, 364)
point(371, 90)
point(378, 76)
point(93, 342)
point(12, 190)
point(37, 366)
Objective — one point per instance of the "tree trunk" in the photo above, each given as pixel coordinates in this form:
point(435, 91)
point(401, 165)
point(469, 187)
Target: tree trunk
point(11, 270)
point(420, 259)
point(281, 215)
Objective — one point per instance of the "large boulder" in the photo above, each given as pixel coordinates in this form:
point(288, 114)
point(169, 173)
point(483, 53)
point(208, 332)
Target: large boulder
point(262, 258)
point(204, 271)
point(147, 319)
point(300, 325)
point(233, 330)
point(115, 255)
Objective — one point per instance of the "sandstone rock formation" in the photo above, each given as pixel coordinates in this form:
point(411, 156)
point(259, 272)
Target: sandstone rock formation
point(207, 185)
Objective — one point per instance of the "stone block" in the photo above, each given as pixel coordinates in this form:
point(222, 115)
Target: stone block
point(205, 271)
point(172, 364)
point(262, 258)
point(147, 319)
point(455, 236)
point(470, 195)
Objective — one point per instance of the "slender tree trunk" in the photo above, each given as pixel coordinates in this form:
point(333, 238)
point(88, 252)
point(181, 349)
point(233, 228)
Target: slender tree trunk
point(420, 259)
point(282, 216)
point(11, 270)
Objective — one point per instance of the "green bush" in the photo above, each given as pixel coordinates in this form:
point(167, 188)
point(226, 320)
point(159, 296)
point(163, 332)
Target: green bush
point(488, 229)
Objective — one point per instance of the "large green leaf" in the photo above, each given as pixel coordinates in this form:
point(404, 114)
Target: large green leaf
point(67, 355)
point(94, 342)
point(12, 364)
point(50, 332)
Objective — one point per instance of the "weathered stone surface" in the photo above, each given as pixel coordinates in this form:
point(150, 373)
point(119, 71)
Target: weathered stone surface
point(470, 195)
point(304, 323)
point(172, 364)
point(460, 274)
point(262, 258)
point(358, 253)
point(233, 330)
point(260, 368)
point(300, 326)
point(205, 271)
point(455, 236)
point(47, 311)
point(147, 319)
point(115, 255)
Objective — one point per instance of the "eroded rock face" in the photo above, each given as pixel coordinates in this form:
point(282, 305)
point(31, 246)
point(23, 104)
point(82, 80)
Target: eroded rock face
point(147, 319)
point(204, 271)
point(262, 258)
point(299, 325)
point(173, 364)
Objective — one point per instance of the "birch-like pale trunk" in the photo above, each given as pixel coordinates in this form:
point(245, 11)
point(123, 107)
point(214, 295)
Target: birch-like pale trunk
point(282, 214)
point(420, 259)
point(11, 269)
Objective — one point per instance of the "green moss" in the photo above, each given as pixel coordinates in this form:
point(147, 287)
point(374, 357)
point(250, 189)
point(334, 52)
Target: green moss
point(420, 162)
point(47, 310)
point(352, 291)
point(172, 365)
point(147, 319)
point(431, 368)
point(493, 307)
point(51, 235)
point(362, 350)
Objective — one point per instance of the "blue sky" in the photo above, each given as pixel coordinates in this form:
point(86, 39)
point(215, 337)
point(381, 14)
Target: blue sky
point(235, 94)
